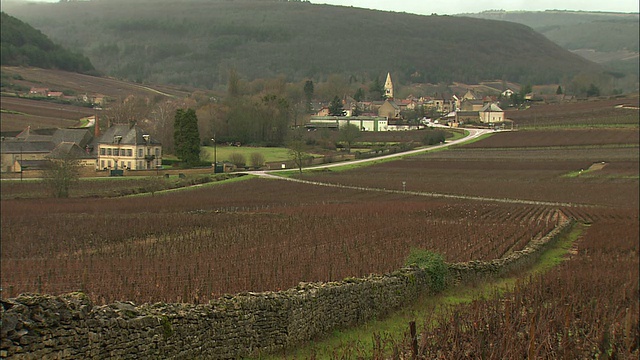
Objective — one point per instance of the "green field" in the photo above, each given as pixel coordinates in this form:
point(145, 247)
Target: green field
point(224, 153)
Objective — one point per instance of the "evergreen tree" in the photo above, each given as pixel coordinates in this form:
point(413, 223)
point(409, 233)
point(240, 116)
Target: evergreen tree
point(559, 90)
point(376, 90)
point(359, 95)
point(186, 136)
point(593, 90)
point(336, 108)
point(308, 93)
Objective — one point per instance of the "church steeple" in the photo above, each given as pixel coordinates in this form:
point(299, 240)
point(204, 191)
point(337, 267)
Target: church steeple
point(388, 87)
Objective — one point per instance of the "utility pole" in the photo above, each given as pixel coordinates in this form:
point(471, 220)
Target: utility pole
point(21, 163)
point(215, 154)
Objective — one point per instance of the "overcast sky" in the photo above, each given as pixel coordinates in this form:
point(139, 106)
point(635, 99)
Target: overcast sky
point(427, 7)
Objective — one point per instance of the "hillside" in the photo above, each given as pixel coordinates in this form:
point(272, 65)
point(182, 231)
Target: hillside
point(196, 43)
point(22, 45)
point(20, 112)
point(611, 39)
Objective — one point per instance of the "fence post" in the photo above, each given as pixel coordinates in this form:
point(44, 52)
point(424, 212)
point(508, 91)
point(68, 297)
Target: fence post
point(414, 340)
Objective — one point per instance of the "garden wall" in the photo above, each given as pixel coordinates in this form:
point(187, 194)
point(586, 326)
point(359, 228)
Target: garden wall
point(71, 327)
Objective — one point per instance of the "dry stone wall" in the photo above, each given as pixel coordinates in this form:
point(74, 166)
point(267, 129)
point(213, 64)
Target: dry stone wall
point(71, 327)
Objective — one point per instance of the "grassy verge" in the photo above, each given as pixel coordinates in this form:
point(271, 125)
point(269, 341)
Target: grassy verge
point(397, 324)
point(223, 153)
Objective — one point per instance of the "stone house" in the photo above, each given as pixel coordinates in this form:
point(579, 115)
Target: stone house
point(471, 105)
point(389, 109)
point(32, 148)
point(124, 147)
point(491, 113)
point(14, 153)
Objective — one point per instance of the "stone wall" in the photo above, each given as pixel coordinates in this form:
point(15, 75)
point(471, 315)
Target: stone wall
point(71, 327)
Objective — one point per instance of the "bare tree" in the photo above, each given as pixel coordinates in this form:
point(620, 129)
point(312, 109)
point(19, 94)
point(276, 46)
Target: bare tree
point(297, 149)
point(61, 174)
point(348, 134)
point(257, 160)
point(128, 111)
point(160, 122)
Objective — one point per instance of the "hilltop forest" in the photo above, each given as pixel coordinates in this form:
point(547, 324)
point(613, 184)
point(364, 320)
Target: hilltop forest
point(197, 43)
point(22, 45)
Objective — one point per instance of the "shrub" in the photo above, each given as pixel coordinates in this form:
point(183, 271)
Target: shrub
point(433, 263)
point(433, 137)
point(238, 160)
point(257, 160)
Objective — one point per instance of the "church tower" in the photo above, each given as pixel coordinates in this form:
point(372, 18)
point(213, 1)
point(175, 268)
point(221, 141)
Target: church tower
point(388, 87)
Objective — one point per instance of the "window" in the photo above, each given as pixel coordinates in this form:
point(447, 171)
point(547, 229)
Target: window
point(102, 164)
point(129, 152)
point(157, 152)
point(108, 151)
point(102, 151)
point(122, 164)
point(140, 152)
point(128, 164)
point(116, 152)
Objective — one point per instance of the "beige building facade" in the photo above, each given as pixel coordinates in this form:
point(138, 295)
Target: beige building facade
point(128, 148)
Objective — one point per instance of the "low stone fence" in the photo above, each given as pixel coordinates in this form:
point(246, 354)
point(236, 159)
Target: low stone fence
point(473, 270)
point(71, 327)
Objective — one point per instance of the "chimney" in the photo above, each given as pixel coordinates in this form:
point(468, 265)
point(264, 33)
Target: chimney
point(96, 127)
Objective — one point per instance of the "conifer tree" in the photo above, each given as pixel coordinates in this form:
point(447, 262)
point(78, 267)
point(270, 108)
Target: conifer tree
point(336, 108)
point(186, 136)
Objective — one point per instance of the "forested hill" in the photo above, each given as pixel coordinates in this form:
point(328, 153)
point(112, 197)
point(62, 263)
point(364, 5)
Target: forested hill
point(22, 45)
point(610, 39)
point(577, 29)
point(196, 42)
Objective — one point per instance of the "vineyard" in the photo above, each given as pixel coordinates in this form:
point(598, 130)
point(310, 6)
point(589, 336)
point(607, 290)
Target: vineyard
point(613, 112)
point(585, 308)
point(258, 234)
point(253, 235)
point(490, 168)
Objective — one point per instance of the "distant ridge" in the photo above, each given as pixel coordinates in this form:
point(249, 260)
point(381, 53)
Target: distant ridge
point(196, 43)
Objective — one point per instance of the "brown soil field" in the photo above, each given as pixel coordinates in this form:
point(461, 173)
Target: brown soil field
point(582, 113)
point(528, 174)
point(18, 113)
point(63, 80)
point(39, 114)
point(548, 138)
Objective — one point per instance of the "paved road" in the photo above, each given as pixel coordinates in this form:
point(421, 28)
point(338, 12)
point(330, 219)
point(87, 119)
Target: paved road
point(473, 134)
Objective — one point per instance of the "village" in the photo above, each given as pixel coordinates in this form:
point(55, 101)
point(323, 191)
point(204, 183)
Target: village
point(120, 148)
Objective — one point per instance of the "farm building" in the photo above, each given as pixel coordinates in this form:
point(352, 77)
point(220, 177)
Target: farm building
point(37, 145)
point(364, 123)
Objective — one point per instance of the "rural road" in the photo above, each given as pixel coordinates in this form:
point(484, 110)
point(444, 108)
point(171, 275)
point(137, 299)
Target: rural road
point(473, 134)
